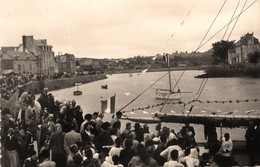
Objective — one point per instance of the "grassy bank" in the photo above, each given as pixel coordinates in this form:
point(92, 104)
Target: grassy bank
point(248, 70)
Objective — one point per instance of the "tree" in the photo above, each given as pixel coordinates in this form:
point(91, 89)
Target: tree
point(220, 51)
point(254, 57)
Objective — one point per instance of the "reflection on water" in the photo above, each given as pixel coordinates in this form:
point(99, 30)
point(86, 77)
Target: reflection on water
point(127, 88)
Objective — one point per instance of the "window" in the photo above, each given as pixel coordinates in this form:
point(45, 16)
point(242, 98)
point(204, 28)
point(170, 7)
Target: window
point(19, 68)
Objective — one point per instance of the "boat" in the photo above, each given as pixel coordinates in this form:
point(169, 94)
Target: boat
point(77, 92)
point(231, 121)
point(168, 94)
point(104, 86)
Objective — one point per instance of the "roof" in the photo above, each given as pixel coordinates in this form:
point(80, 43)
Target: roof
point(40, 41)
point(244, 39)
point(11, 55)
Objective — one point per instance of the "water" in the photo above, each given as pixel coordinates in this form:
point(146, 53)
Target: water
point(127, 88)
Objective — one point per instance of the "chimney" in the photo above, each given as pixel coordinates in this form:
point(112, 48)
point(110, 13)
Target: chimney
point(26, 41)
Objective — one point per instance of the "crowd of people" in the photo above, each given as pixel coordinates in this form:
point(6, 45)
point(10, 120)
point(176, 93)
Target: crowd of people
point(47, 132)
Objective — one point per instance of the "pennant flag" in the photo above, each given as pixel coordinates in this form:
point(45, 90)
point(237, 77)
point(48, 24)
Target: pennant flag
point(182, 22)
point(172, 34)
point(108, 105)
point(145, 112)
point(144, 71)
point(154, 58)
point(132, 112)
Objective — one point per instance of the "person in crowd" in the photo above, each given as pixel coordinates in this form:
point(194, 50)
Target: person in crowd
point(73, 151)
point(38, 109)
point(90, 161)
point(43, 99)
point(117, 118)
point(142, 158)
point(11, 145)
point(45, 160)
point(126, 131)
point(71, 138)
point(191, 158)
point(78, 116)
point(173, 161)
point(57, 146)
point(115, 150)
point(139, 132)
point(104, 138)
point(25, 98)
point(251, 142)
point(20, 138)
point(161, 146)
point(115, 159)
point(99, 122)
point(88, 118)
point(188, 134)
point(32, 160)
point(87, 136)
point(127, 153)
point(171, 145)
point(226, 146)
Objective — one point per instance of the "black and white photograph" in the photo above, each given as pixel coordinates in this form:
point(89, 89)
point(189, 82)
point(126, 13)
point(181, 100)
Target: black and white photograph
point(129, 83)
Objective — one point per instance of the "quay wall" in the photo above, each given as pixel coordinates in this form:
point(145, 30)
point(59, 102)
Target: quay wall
point(62, 82)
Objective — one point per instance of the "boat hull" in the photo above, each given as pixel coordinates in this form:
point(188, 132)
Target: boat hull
point(165, 94)
point(77, 93)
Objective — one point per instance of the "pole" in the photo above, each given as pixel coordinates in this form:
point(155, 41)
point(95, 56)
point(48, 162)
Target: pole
point(169, 70)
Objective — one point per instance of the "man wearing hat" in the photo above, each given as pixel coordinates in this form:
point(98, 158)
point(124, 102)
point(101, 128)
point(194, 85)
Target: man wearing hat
point(104, 139)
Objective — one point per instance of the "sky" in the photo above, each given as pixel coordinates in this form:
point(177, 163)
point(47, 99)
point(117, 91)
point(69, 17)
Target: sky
point(125, 28)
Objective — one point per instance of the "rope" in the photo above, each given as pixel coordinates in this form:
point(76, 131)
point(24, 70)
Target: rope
point(237, 20)
point(231, 19)
point(212, 22)
point(142, 93)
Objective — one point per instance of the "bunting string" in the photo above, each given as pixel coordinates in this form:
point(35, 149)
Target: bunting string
point(193, 101)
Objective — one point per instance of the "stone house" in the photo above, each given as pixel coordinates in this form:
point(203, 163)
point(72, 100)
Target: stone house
point(42, 51)
point(21, 62)
point(246, 45)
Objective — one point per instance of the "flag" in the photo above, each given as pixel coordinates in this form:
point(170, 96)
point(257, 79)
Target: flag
point(12, 103)
point(108, 105)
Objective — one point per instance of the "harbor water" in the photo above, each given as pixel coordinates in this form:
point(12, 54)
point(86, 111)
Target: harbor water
point(238, 93)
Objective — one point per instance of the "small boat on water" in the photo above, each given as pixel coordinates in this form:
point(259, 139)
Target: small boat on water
point(77, 92)
point(168, 94)
point(104, 86)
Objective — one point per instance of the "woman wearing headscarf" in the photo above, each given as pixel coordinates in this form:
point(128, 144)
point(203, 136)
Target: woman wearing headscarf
point(11, 144)
point(56, 145)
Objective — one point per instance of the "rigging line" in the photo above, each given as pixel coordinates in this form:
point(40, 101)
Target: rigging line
point(142, 92)
point(200, 86)
point(236, 20)
point(226, 25)
point(165, 102)
point(179, 79)
point(175, 80)
point(222, 28)
point(212, 23)
point(203, 87)
point(231, 19)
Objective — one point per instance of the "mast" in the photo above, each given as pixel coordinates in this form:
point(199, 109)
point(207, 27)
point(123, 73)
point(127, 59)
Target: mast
point(169, 72)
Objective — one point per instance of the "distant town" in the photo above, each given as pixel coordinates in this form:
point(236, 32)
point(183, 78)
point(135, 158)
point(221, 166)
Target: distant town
point(36, 56)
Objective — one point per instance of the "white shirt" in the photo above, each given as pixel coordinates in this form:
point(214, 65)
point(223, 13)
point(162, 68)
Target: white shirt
point(172, 163)
point(167, 152)
point(115, 151)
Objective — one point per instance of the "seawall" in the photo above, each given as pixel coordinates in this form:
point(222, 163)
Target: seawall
point(63, 82)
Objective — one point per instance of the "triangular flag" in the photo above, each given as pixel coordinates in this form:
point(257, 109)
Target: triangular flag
point(144, 71)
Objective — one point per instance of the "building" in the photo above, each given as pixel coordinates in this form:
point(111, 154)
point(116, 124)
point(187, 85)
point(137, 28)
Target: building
point(20, 62)
point(67, 63)
point(246, 45)
point(42, 51)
